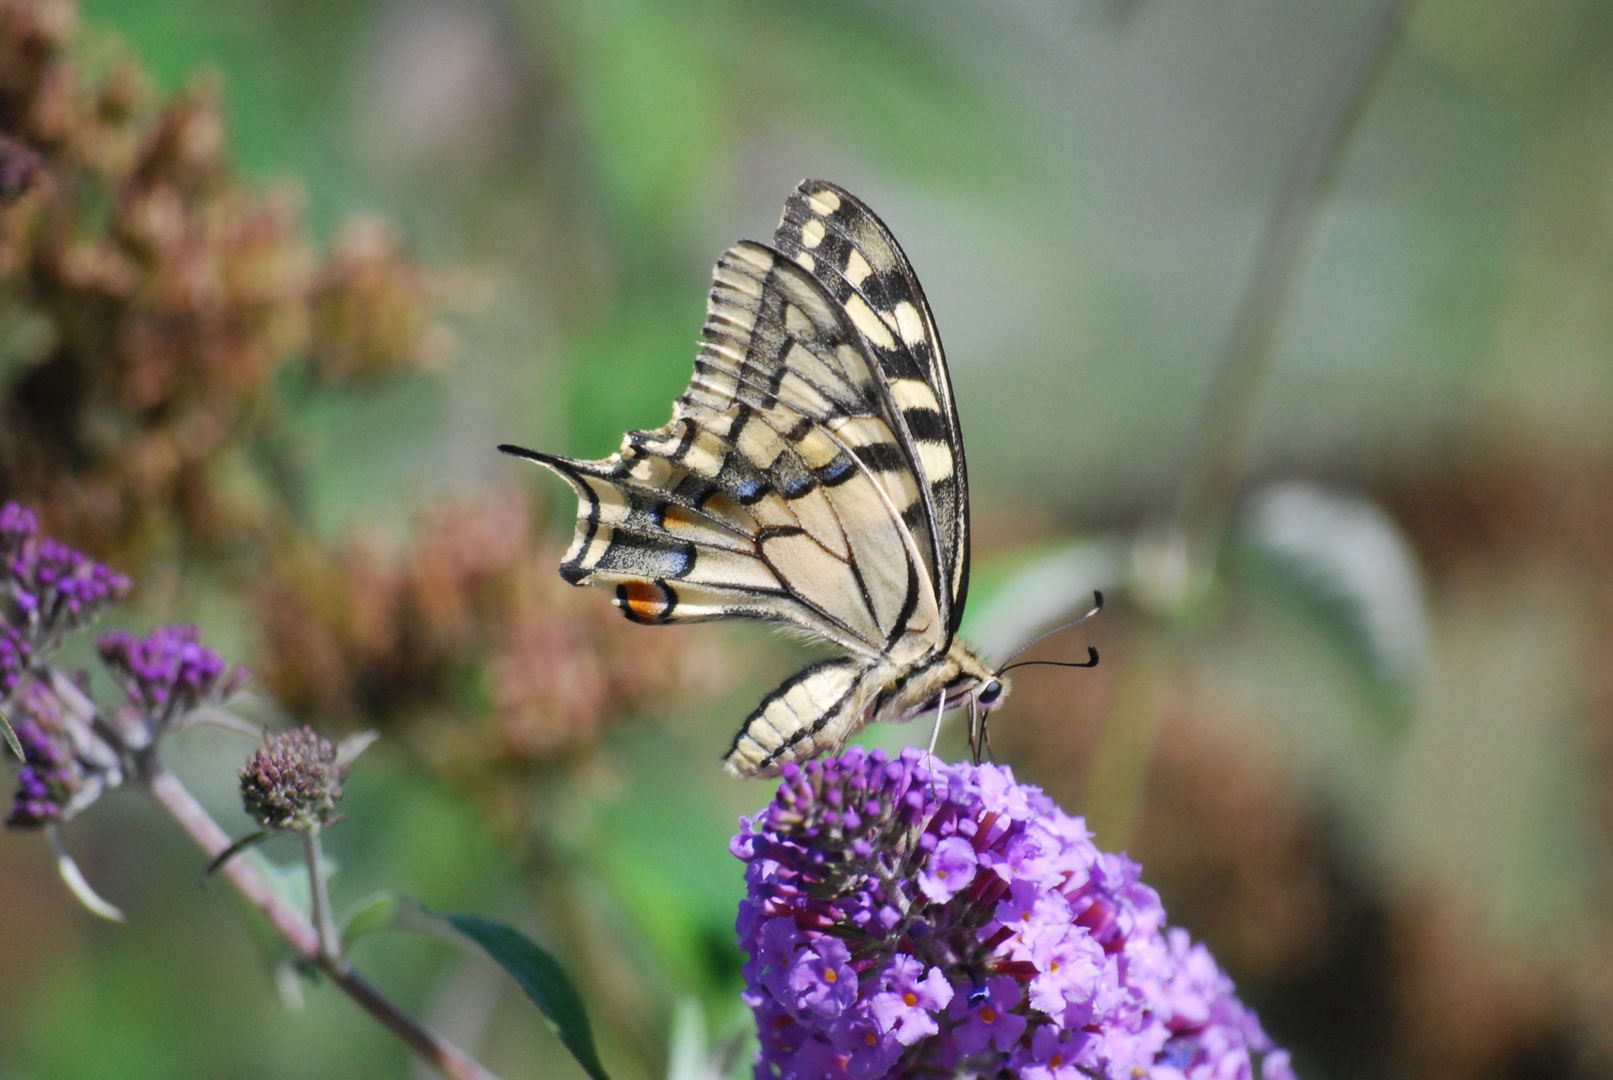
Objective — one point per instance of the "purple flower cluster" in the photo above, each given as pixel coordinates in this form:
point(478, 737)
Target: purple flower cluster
point(72, 749)
point(45, 783)
point(66, 764)
point(910, 918)
point(18, 525)
point(168, 672)
point(51, 587)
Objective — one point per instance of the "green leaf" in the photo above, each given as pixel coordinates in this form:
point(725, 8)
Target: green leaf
point(75, 880)
point(1343, 563)
point(544, 981)
point(11, 737)
point(248, 841)
point(348, 750)
point(377, 911)
point(288, 881)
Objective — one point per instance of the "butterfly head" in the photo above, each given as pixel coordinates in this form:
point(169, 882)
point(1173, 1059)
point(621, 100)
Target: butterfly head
point(972, 681)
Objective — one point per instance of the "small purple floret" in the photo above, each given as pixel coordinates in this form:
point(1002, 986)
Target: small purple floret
point(949, 868)
point(14, 655)
point(971, 928)
point(45, 781)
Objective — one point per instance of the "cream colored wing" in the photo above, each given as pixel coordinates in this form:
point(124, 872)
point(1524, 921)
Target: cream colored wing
point(780, 489)
point(831, 233)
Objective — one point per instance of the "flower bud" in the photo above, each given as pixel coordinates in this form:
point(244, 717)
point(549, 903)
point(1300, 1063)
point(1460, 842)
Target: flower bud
point(293, 782)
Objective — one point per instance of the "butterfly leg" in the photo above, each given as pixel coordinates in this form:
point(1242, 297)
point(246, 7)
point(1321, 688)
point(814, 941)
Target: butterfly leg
point(940, 711)
point(974, 719)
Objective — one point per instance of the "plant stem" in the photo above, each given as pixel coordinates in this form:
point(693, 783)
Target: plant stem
point(175, 798)
point(1222, 442)
point(319, 895)
point(1117, 778)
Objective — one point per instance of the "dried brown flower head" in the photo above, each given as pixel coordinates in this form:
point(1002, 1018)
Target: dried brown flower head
point(150, 299)
point(470, 620)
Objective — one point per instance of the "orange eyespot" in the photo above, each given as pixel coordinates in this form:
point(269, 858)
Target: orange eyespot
point(645, 601)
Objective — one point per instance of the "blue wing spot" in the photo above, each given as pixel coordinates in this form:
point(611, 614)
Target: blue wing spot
point(749, 491)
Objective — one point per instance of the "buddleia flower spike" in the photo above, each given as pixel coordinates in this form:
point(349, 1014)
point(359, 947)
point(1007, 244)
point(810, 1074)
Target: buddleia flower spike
point(907, 918)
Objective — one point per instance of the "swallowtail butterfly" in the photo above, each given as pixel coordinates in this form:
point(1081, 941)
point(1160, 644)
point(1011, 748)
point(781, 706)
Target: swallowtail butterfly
point(812, 475)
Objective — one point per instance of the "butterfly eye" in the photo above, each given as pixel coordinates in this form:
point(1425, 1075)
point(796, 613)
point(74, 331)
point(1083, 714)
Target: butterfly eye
point(990, 693)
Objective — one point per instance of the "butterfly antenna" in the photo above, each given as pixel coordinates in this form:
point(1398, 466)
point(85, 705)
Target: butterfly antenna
point(1097, 606)
point(1092, 661)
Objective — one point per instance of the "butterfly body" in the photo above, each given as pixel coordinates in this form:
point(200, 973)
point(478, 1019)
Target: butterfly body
point(819, 708)
point(812, 475)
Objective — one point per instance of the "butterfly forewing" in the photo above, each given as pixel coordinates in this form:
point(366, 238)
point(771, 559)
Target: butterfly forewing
point(832, 234)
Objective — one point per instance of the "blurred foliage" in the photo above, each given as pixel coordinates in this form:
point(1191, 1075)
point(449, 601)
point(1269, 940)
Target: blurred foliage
point(1406, 872)
point(151, 300)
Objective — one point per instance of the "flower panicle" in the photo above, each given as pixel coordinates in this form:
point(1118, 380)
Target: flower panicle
point(169, 672)
point(72, 750)
point(67, 762)
point(50, 588)
point(908, 918)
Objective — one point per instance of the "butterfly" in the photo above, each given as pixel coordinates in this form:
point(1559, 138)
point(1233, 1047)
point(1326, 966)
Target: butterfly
point(812, 475)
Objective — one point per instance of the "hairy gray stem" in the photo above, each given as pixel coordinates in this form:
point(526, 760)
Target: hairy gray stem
point(175, 798)
point(1238, 386)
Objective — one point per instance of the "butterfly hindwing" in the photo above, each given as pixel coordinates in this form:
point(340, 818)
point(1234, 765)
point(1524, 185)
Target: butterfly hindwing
point(778, 490)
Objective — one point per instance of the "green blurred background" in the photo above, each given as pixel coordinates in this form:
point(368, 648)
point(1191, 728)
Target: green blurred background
point(1376, 779)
